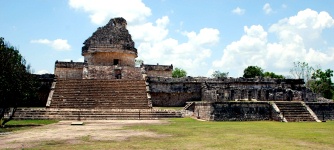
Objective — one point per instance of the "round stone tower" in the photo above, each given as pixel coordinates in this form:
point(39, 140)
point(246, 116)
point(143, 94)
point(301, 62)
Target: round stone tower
point(110, 53)
point(110, 45)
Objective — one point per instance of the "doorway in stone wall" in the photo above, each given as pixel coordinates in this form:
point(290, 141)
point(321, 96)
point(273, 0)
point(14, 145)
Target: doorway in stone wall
point(118, 73)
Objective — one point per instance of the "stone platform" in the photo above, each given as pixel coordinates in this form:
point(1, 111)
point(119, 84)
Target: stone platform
point(285, 111)
point(94, 114)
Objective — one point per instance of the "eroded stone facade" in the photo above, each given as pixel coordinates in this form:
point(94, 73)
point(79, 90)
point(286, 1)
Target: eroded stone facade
point(69, 70)
point(260, 89)
point(158, 70)
point(178, 91)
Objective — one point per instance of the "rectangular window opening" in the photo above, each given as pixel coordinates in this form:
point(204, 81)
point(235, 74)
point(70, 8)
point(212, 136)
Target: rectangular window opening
point(116, 61)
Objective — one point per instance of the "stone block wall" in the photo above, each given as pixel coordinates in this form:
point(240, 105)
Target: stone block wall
point(233, 111)
point(174, 99)
point(173, 92)
point(241, 111)
point(157, 73)
point(69, 70)
point(169, 91)
point(158, 70)
point(112, 72)
point(322, 110)
point(256, 89)
point(108, 58)
point(203, 110)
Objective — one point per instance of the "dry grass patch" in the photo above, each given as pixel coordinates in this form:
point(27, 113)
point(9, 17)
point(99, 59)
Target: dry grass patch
point(187, 133)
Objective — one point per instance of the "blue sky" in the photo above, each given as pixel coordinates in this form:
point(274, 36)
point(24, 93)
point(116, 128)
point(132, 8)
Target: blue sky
point(198, 36)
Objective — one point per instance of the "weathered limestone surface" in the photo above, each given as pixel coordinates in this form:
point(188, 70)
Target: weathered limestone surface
point(174, 99)
point(108, 59)
point(324, 111)
point(173, 91)
point(158, 70)
point(69, 70)
point(178, 91)
point(233, 111)
point(113, 72)
point(113, 37)
point(256, 89)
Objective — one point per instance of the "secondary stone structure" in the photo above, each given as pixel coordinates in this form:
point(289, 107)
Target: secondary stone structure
point(108, 85)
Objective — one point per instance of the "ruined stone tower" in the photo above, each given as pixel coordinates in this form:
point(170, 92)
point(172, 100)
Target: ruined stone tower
point(110, 45)
point(109, 54)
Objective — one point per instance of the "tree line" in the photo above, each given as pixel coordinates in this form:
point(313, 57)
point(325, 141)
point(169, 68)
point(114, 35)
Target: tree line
point(17, 84)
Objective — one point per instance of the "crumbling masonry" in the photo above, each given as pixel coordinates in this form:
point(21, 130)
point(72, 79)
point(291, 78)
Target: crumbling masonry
point(109, 84)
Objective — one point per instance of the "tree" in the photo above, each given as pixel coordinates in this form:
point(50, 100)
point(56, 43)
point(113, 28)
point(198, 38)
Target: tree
point(178, 73)
point(301, 70)
point(273, 75)
point(322, 83)
point(218, 74)
point(253, 71)
point(16, 82)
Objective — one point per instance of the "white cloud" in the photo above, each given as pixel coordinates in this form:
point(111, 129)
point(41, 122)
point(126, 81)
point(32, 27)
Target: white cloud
point(190, 55)
point(58, 44)
point(305, 28)
point(295, 36)
point(150, 32)
point(153, 44)
point(267, 8)
point(100, 11)
point(42, 72)
point(249, 50)
point(238, 11)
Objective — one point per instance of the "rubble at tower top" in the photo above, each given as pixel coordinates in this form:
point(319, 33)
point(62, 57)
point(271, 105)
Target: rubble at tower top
point(113, 35)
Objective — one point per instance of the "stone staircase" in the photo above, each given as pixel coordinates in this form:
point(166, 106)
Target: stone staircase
point(189, 104)
point(94, 114)
point(99, 94)
point(295, 111)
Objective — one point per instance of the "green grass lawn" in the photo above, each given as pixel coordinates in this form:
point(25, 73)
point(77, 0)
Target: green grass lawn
point(24, 124)
point(187, 133)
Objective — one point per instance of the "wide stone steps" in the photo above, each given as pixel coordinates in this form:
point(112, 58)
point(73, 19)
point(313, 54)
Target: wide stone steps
point(109, 94)
point(294, 111)
point(94, 114)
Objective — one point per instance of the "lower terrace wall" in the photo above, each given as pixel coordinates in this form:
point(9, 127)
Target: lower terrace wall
point(234, 111)
point(324, 111)
point(175, 99)
point(173, 92)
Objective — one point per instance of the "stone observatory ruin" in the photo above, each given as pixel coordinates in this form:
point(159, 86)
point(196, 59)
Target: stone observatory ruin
point(108, 85)
point(108, 54)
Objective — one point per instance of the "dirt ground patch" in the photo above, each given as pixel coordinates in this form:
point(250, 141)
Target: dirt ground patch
point(63, 131)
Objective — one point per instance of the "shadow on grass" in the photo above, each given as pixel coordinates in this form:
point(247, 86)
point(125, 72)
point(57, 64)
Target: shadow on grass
point(10, 128)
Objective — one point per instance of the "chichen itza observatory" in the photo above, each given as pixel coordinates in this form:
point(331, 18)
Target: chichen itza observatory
point(108, 85)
